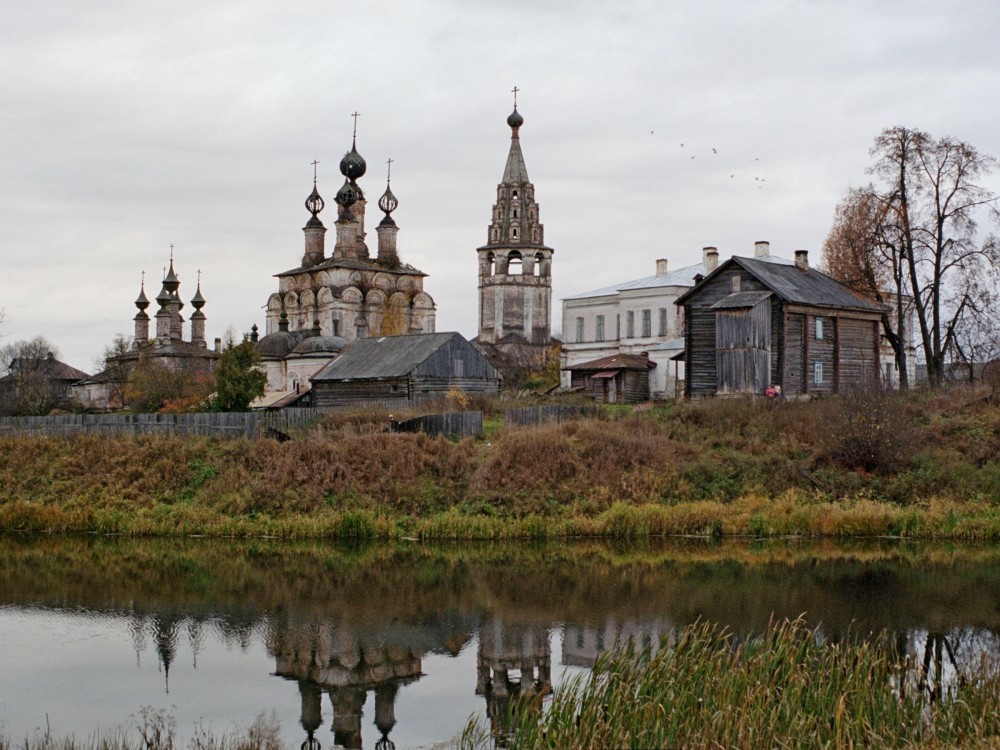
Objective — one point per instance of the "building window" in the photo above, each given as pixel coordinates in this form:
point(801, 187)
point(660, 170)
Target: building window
point(736, 283)
point(600, 328)
point(630, 324)
point(817, 373)
point(579, 330)
point(819, 328)
point(663, 321)
point(647, 323)
point(618, 327)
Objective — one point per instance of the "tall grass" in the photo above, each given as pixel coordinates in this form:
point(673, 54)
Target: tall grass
point(784, 689)
point(709, 468)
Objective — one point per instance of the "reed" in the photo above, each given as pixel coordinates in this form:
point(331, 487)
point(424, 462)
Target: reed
point(786, 688)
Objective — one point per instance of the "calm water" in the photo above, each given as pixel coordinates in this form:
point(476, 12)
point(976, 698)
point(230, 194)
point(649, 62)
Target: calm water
point(356, 645)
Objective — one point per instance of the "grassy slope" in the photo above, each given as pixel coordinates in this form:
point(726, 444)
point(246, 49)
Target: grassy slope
point(921, 465)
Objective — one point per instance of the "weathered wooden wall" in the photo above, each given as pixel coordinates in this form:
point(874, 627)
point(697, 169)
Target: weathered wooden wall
point(743, 349)
point(699, 369)
point(462, 423)
point(532, 415)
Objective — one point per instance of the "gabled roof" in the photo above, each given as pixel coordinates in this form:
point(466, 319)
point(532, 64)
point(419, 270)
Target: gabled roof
point(678, 277)
point(617, 362)
point(383, 357)
point(48, 367)
point(791, 284)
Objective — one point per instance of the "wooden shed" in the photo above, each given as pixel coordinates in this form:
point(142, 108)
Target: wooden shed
point(751, 325)
point(403, 369)
point(620, 378)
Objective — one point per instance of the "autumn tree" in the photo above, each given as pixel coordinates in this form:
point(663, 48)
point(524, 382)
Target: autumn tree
point(238, 380)
point(155, 387)
point(917, 229)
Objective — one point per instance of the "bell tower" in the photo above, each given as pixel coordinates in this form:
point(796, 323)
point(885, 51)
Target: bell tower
point(515, 265)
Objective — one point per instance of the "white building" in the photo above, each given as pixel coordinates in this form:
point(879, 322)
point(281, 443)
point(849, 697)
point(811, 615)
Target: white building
point(637, 317)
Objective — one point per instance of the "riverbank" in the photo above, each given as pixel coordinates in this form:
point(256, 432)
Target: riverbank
point(710, 689)
point(923, 465)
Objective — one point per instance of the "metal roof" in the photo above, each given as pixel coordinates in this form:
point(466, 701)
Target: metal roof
point(791, 284)
point(383, 357)
point(617, 362)
point(679, 277)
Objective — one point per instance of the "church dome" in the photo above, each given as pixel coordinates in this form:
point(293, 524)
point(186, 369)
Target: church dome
point(277, 345)
point(349, 194)
point(353, 165)
point(514, 119)
point(320, 345)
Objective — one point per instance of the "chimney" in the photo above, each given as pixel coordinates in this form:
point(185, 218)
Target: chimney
point(761, 249)
point(218, 345)
point(710, 257)
point(698, 278)
point(661, 267)
point(802, 260)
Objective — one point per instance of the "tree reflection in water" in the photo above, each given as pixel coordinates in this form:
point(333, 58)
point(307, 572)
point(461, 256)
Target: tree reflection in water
point(343, 622)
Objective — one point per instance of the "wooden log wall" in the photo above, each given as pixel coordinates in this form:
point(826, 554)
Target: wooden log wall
point(462, 424)
point(534, 415)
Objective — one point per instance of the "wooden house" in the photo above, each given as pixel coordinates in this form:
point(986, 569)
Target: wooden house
point(751, 325)
point(403, 369)
point(620, 378)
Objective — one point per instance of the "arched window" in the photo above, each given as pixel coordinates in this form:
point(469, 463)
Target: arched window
point(514, 194)
point(514, 263)
point(513, 234)
point(537, 269)
point(492, 261)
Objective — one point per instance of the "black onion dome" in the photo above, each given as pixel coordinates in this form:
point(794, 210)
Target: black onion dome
point(349, 194)
point(514, 119)
point(320, 345)
point(315, 202)
point(353, 165)
point(142, 302)
point(198, 301)
point(388, 201)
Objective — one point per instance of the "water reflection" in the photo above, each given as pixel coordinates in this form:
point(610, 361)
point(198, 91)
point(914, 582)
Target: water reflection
point(355, 628)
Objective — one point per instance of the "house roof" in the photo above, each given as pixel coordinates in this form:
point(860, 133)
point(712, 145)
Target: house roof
point(679, 277)
point(49, 367)
point(616, 362)
point(383, 357)
point(791, 284)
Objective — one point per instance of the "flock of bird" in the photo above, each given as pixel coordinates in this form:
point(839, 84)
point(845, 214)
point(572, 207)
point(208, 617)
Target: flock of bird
point(715, 152)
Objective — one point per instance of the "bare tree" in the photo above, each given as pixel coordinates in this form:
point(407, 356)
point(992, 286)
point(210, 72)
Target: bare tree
point(117, 362)
point(26, 388)
point(920, 228)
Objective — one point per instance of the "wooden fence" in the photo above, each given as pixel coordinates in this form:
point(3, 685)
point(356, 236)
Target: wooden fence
point(213, 424)
point(533, 415)
point(464, 423)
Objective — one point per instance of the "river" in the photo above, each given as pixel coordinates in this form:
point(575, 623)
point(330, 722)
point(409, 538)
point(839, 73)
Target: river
point(399, 644)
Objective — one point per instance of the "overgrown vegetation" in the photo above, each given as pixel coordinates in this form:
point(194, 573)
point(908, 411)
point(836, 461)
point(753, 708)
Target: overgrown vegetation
point(870, 463)
point(154, 729)
point(786, 688)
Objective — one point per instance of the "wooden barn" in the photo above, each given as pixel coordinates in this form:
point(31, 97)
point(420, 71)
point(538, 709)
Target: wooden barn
point(620, 378)
point(751, 325)
point(404, 369)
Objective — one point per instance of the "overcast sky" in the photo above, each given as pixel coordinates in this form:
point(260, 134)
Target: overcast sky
point(126, 127)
